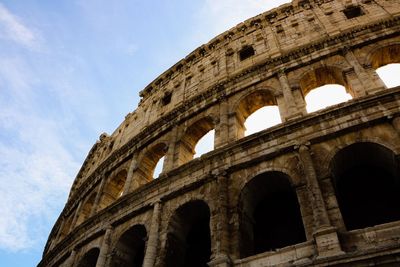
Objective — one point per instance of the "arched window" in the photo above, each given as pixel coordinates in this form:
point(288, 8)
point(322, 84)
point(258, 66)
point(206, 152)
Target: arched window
point(386, 63)
point(325, 96)
point(188, 236)
point(159, 167)
point(188, 142)
point(113, 189)
point(390, 74)
point(323, 87)
point(130, 249)
point(205, 144)
point(148, 163)
point(367, 185)
point(256, 112)
point(86, 209)
point(66, 227)
point(90, 258)
point(269, 215)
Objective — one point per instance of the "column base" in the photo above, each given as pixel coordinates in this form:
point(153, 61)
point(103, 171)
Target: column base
point(327, 242)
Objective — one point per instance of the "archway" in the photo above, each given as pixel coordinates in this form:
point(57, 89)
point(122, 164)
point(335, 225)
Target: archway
point(86, 209)
point(90, 258)
point(148, 163)
point(270, 215)
point(323, 87)
point(130, 249)
point(113, 189)
point(385, 61)
point(187, 144)
point(390, 74)
point(188, 237)
point(255, 112)
point(367, 185)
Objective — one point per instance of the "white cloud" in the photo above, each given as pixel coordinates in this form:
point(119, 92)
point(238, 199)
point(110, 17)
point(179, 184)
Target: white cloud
point(12, 28)
point(36, 167)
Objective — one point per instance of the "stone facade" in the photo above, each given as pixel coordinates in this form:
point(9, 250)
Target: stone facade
point(318, 189)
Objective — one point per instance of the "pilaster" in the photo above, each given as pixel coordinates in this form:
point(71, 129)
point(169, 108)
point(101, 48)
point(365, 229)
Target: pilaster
point(105, 247)
point(152, 243)
point(325, 235)
point(220, 251)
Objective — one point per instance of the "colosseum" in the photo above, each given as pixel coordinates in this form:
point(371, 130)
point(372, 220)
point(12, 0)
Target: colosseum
point(317, 189)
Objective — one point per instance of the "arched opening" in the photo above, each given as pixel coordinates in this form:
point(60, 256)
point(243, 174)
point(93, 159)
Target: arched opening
point(86, 209)
point(159, 167)
point(188, 142)
point(146, 168)
point(130, 249)
point(367, 185)
point(270, 215)
point(255, 112)
point(188, 237)
point(113, 189)
point(90, 258)
point(325, 96)
point(66, 227)
point(261, 119)
point(386, 63)
point(390, 74)
point(205, 144)
point(323, 87)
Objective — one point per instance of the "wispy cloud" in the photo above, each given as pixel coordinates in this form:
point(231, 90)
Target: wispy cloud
point(12, 28)
point(37, 160)
point(221, 15)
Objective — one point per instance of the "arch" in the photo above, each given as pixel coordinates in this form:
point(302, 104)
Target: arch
point(113, 189)
point(269, 214)
point(86, 209)
point(384, 60)
point(188, 236)
point(66, 226)
point(148, 163)
point(130, 248)
point(191, 137)
point(90, 258)
point(367, 185)
point(385, 55)
point(249, 104)
point(324, 80)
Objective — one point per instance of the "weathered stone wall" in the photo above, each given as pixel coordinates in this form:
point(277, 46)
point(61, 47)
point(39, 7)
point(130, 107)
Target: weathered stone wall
point(291, 50)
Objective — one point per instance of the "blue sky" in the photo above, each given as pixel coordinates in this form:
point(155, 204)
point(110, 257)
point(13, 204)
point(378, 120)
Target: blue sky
point(70, 70)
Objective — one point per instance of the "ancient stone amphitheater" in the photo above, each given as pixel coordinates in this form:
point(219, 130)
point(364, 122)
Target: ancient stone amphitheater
point(320, 188)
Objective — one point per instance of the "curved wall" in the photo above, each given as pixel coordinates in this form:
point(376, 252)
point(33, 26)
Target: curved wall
point(275, 58)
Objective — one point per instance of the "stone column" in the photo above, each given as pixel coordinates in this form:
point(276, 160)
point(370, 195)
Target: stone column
point(105, 247)
point(220, 256)
point(132, 167)
point(221, 130)
point(325, 235)
point(290, 103)
point(152, 243)
point(98, 196)
point(365, 84)
point(169, 156)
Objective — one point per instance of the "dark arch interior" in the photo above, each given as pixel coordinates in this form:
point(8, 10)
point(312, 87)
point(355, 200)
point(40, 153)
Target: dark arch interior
point(129, 251)
point(270, 215)
point(366, 180)
point(188, 240)
point(90, 258)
